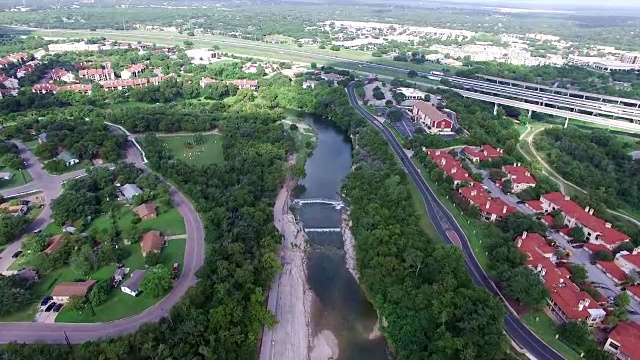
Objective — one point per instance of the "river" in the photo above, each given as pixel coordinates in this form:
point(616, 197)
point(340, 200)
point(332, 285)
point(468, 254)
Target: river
point(339, 305)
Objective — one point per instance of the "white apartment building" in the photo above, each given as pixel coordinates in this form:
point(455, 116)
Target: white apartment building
point(79, 46)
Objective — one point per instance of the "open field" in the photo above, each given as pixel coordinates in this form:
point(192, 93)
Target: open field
point(208, 153)
point(19, 178)
point(168, 222)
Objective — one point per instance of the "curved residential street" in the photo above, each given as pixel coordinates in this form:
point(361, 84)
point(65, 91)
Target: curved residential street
point(50, 187)
point(449, 231)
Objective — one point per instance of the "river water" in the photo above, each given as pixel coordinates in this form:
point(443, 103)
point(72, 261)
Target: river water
point(339, 305)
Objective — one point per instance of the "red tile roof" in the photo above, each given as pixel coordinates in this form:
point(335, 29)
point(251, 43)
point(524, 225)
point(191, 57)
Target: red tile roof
point(571, 209)
point(628, 336)
point(449, 165)
point(429, 110)
point(488, 205)
point(633, 259)
point(519, 174)
point(634, 289)
point(91, 72)
point(535, 205)
point(594, 248)
point(484, 152)
point(612, 269)
point(547, 219)
point(535, 247)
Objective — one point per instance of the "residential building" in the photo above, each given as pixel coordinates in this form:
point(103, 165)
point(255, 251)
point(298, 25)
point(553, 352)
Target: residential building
point(450, 166)
point(132, 285)
point(62, 75)
point(55, 243)
point(631, 58)
point(596, 230)
point(431, 118)
point(613, 271)
point(566, 302)
point(27, 68)
point(68, 158)
point(534, 205)
point(73, 47)
point(592, 248)
point(133, 71)
point(331, 77)
point(629, 262)
point(202, 56)
point(146, 211)
point(97, 74)
point(119, 275)
point(9, 82)
point(130, 190)
point(42, 138)
point(520, 177)
point(151, 241)
point(491, 209)
point(6, 175)
point(624, 341)
point(411, 93)
point(241, 84)
point(485, 152)
point(65, 290)
point(634, 292)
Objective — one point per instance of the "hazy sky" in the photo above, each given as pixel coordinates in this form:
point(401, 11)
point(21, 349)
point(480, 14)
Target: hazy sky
point(601, 3)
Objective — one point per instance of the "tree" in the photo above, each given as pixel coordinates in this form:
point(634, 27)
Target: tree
point(507, 186)
point(152, 259)
point(157, 281)
point(12, 161)
point(83, 261)
point(577, 233)
point(75, 303)
point(293, 127)
point(313, 65)
point(623, 300)
point(13, 297)
point(35, 243)
point(399, 97)
point(388, 104)
point(575, 333)
point(99, 292)
point(603, 255)
point(412, 73)
point(394, 115)
point(148, 181)
point(558, 220)
point(524, 285)
point(334, 48)
point(579, 274)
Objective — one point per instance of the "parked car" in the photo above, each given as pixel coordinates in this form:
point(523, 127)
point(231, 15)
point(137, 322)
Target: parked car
point(37, 231)
point(45, 301)
point(16, 254)
point(520, 202)
point(50, 307)
point(58, 307)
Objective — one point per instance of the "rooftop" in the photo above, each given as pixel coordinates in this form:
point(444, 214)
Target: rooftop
point(151, 241)
point(628, 336)
point(133, 282)
point(487, 204)
point(519, 174)
point(145, 210)
point(485, 152)
point(130, 190)
point(447, 163)
point(612, 269)
point(72, 288)
point(429, 110)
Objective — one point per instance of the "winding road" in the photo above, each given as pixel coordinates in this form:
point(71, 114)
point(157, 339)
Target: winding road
point(450, 232)
point(78, 333)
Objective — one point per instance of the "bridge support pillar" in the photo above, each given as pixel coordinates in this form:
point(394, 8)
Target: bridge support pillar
point(530, 112)
point(495, 109)
point(566, 123)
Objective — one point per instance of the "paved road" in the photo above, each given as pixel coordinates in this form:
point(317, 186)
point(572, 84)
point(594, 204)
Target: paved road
point(78, 333)
point(444, 223)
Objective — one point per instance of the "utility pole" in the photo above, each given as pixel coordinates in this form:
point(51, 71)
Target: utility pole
point(66, 338)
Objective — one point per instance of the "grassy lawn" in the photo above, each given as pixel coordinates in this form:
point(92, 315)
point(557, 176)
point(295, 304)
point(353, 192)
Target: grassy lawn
point(168, 221)
point(79, 166)
point(425, 223)
point(475, 230)
point(19, 178)
point(31, 144)
point(208, 153)
point(120, 305)
point(546, 329)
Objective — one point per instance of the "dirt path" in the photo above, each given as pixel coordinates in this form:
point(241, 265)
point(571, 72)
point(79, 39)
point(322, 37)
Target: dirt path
point(290, 296)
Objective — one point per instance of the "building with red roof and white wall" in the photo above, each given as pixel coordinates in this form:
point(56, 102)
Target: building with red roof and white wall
point(520, 177)
point(629, 262)
point(624, 341)
point(597, 231)
point(484, 152)
point(450, 166)
point(566, 301)
point(490, 208)
point(432, 119)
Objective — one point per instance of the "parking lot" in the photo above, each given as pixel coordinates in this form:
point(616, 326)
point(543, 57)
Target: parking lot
point(406, 127)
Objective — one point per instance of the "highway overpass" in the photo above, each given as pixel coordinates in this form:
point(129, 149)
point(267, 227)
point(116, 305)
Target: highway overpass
point(613, 124)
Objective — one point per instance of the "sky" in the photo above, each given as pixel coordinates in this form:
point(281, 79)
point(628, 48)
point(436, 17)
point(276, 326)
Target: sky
point(541, 3)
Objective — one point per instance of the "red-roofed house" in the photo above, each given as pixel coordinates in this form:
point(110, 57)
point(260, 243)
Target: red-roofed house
point(133, 71)
point(431, 118)
point(629, 262)
point(245, 84)
point(567, 302)
point(624, 341)
point(492, 209)
point(44, 88)
point(535, 205)
point(520, 177)
point(9, 82)
point(450, 166)
point(485, 152)
point(594, 248)
point(97, 74)
point(62, 74)
point(612, 271)
point(596, 230)
point(634, 291)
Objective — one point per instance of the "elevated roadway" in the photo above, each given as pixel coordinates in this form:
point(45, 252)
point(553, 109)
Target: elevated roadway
point(449, 231)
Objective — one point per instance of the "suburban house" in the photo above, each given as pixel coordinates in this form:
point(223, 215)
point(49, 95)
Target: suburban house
point(68, 158)
point(520, 177)
point(132, 285)
point(130, 190)
point(241, 84)
point(592, 248)
point(490, 208)
point(133, 71)
point(52, 88)
point(9, 82)
point(596, 230)
point(65, 290)
point(451, 167)
point(27, 68)
point(6, 175)
point(485, 152)
point(567, 302)
point(16, 210)
point(97, 74)
point(411, 93)
point(42, 138)
point(151, 241)
point(145, 211)
point(15, 58)
point(136, 82)
point(62, 75)
point(624, 341)
point(55, 243)
point(431, 118)
point(630, 263)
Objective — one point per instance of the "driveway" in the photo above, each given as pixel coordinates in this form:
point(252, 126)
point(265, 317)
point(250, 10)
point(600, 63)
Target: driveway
point(79, 333)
